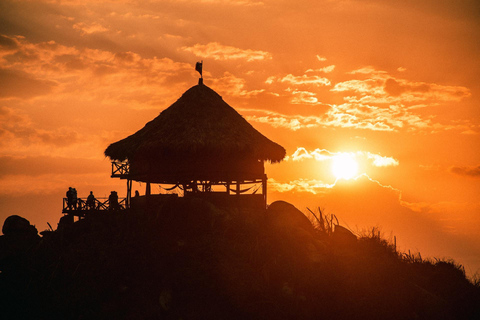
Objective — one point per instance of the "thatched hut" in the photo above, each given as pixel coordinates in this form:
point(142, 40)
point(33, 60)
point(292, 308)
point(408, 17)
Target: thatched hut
point(199, 143)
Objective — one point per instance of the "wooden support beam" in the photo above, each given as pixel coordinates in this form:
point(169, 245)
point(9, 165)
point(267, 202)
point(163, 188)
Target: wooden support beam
point(264, 189)
point(148, 190)
point(129, 193)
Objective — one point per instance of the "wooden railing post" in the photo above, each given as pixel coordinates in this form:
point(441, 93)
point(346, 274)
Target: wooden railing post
point(264, 189)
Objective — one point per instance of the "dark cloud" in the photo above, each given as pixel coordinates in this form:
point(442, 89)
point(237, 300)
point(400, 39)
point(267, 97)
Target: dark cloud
point(394, 88)
point(17, 84)
point(462, 10)
point(473, 172)
point(71, 62)
point(7, 43)
point(56, 138)
point(23, 56)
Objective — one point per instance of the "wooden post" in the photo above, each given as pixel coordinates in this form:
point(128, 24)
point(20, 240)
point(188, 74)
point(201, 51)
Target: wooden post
point(148, 190)
point(264, 189)
point(129, 193)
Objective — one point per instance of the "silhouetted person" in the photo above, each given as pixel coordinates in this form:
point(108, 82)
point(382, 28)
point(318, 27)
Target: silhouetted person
point(113, 201)
point(91, 201)
point(137, 194)
point(70, 198)
point(74, 198)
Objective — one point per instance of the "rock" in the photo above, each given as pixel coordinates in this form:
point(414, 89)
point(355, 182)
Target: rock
point(18, 237)
point(16, 225)
point(282, 213)
point(344, 240)
point(290, 227)
point(342, 233)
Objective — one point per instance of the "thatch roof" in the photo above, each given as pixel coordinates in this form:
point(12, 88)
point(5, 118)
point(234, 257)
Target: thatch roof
point(198, 125)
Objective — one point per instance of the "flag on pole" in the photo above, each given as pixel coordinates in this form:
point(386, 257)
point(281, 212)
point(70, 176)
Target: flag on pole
point(198, 67)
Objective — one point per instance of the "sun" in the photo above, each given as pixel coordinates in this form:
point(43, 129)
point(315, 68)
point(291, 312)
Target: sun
point(344, 166)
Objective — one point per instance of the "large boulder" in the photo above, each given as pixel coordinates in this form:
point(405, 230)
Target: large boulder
point(295, 234)
point(15, 225)
point(18, 237)
point(281, 213)
point(343, 235)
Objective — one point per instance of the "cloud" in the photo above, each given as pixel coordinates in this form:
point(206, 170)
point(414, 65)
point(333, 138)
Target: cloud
point(382, 161)
point(298, 84)
point(472, 172)
point(304, 97)
point(359, 86)
point(17, 128)
point(317, 154)
point(117, 77)
point(315, 186)
point(218, 51)
point(360, 116)
point(300, 185)
point(300, 154)
point(89, 28)
point(324, 69)
point(375, 100)
point(18, 84)
point(383, 88)
point(421, 91)
point(231, 85)
point(349, 115)
point(304, 80)
point(324, 155)
point(279, 120)
point(367, 70)
point(7, 43)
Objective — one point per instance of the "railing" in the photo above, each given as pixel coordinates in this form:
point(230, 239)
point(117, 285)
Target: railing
point(99, 204)
point(120, 168)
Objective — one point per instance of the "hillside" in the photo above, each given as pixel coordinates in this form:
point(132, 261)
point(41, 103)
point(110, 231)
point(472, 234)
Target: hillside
point(188, 259)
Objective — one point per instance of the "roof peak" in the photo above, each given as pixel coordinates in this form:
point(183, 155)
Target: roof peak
point(200, 89)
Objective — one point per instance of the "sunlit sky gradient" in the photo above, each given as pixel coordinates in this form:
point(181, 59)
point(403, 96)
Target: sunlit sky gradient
point(393, 85)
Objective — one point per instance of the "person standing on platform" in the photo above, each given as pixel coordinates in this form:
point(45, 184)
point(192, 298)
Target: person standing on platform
point(74, 198)
point(113, 201)
point(91, 201)
point(70, 198)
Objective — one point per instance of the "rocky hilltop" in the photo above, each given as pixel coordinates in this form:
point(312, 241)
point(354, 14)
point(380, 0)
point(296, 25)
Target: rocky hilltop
point(187, 259)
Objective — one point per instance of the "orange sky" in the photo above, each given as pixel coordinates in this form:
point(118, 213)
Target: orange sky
point(393, 85)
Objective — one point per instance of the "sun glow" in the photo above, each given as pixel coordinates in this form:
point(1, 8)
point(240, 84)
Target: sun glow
point(344, 166)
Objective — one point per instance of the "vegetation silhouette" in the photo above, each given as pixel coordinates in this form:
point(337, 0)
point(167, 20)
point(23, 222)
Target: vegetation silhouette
point(190, 259)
